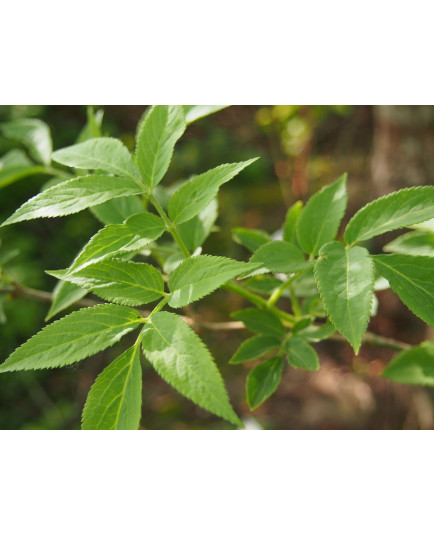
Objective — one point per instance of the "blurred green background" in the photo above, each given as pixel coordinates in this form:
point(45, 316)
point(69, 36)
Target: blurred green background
point(301, 148)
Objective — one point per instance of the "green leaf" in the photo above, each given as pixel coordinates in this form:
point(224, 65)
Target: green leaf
point(183, 361)
point(260, 321)
point(127, 283)
point(195, 195)
point(413, 367)
point(251, 239)
point(199, 276)
point(33, 134)
point(74, 337)
point(263, 381)
point(73, 196)
point(118, 210)
point(194, 112)
point(108, 154)
point(10, 175)
point(290, 225)
point(254, 348)
point(280, 257)
point(319, 222)
point(301, 354)
point(345, 279)
point(318, 333)
point(395, 211)
point(425, 227)
point(412, 278)
point(115, 400)
point(159, 132)
point(64, 295)
point(414, 243)
point(195, 231)
point(133, 235)
point(93, 127)
point(15, 166)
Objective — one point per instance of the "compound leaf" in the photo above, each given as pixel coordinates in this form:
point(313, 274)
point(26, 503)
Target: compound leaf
point(115, 399)
point(127, 283)
point(108, 154)
point(199, 276)
point(260, 321)
point(414, 366)
point(414, 243)
point(263, 380)
point(73, 338)
point(136, 233)
point(319, 222)
point(34, 134)
point(158, 134)
point(301, 354)
point(412, 278)
point(254, 348)
point(280, 257)
point(345, 279)
point(73, 196)
point(395, 211)
point(181, 359)
point(195, 195)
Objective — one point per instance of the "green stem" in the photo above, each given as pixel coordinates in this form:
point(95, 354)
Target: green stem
point(58, 173)
point(277, 294)
point(170, 226)
point(295, 303)
point(158, 307)
point(258, 301)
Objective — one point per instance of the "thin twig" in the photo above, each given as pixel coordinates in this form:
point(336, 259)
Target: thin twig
point(369, 339)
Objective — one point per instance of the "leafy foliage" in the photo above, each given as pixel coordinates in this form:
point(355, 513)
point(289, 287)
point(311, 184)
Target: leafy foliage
point(127, 283)
point(345, 280)
point(319, 222)
point(198, 276)
point(115, 400)
point(74, 338)
point(160, 130)
point(412, 278)
point(105, 154)
point(263, 380)
point(254, 348)
point(75, 195)
point(414, 366)
point(181, 358)
point(322, 284)
point(395, 211)
point(197, 194)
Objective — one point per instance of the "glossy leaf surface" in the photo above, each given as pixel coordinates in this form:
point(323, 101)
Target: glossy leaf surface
point(319, 222)
point(73, 196)
point(73, 338)
point(400, 209)
point(345, 279)
point(412, 278)
point(182, 360)
point(115, 399)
